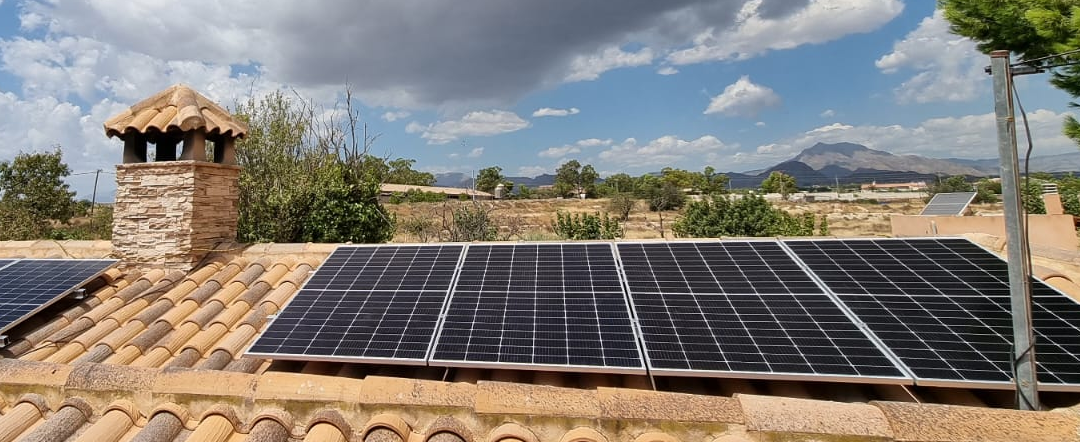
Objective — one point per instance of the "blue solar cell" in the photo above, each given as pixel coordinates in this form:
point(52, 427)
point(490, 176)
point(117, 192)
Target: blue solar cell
point(29, 285)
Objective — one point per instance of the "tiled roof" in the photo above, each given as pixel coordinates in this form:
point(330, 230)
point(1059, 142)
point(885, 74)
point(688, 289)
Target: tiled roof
point(176, 108)
point(156, 356)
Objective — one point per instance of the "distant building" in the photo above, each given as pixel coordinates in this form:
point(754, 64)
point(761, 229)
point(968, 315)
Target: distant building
point(913, 186)
point(388, 190)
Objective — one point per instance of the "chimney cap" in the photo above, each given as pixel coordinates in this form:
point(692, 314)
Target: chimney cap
point(177, 108)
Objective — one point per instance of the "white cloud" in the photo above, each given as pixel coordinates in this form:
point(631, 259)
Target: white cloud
point(568, 149)
point(760, 124)
point(550, 112)
point(587, 68)
point(664, 151)
point(819, 21)
point(970, 136)
point(948, 67)
point(475, 153)
point(827, 113)
point(477, 123)
point(392, 116)
point(743, 98)
point(667, 70)
point(532, 171)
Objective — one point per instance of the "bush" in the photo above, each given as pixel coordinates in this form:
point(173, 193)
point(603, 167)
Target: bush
point(750, 215)
point(421, 227)
point(586, 226)
point(470, 222)
point(665, 197)
point(622, 204)
point(416, 196)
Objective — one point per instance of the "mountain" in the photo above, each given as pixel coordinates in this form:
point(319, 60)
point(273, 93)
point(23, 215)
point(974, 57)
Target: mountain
point(464, 180)
point(852, 157)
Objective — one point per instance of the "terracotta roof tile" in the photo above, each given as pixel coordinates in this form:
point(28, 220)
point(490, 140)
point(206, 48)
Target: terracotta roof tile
point(176, 108)
point(801, 416)
point(929, 422)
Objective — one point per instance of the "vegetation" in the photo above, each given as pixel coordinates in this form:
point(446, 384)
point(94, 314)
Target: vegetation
point(586, 226)
point(460, 221)
point(416, 196)
point(622, 204)
point(779, 182)
point(36, 203)
point(749, 215)
point(306, 178)
point(489, 178)
point(573, 179)
point(1031, 28)
point(400, 171)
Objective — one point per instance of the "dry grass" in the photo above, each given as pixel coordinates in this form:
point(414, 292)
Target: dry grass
point(846, 219)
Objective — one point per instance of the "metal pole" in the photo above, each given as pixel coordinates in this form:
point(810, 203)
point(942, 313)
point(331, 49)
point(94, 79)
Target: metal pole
point(1027, 395)
point(93, 199)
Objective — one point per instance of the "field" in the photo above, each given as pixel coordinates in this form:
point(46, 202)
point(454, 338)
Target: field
point(532, 218)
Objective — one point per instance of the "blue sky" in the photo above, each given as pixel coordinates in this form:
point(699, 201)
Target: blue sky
point(630, 86)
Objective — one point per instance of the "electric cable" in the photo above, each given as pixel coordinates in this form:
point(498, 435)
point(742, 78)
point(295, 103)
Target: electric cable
point(1027, 234)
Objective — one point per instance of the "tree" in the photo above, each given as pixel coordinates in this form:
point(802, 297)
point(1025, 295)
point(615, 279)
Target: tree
point(622, 204)
point(489, 178)
point(711, 182)
point(779, 182)
point(1032, 29)
point(34, 183)
point(618, 183)
point(308, 179)
point(573, 179)
point(400, 171)
point(750, 215)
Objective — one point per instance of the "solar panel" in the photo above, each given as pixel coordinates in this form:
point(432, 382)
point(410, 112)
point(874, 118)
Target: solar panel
point(29, 285)
point(942, 307)
point(365, 304)
point(539, 306)
point(743, 309)
point(948, 204)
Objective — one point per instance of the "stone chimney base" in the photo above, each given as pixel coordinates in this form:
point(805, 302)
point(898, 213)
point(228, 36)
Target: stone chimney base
point(170, 214)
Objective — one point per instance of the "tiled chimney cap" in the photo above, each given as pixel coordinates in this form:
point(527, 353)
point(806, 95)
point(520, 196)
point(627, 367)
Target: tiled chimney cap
point(176, 108)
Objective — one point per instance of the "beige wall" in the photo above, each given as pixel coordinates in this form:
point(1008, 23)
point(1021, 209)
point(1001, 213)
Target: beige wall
point(1056, 231)
point(169, 214)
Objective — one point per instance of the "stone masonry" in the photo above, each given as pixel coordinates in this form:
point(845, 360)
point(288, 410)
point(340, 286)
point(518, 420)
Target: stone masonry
point(170, 214)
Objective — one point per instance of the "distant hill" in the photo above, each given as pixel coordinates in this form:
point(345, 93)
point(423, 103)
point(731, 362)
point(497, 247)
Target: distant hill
point(852, 157)
point(458, 179)
point(825, 164)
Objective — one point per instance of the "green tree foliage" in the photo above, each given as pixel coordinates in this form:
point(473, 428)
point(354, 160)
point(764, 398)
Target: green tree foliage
point(470, 222)
point(34, 183)
point(1031, 196)
point(711, 182)
point(1030, 28)
point(617, 183)
point(823, 226)
point(779, 182)
point(416, 196)
point(573, 179)
point(661, 195)
point(400, 171)
point(586, 226)
point(489, 178)
point(306, 179)
point(750, 215)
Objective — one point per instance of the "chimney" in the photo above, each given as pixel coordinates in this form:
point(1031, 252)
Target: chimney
point(171, 210)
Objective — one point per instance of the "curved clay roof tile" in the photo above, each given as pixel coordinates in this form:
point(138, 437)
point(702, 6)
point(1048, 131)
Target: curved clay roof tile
point(176, 108)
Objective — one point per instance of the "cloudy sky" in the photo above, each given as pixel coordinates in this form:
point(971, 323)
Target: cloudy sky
point(628, 86)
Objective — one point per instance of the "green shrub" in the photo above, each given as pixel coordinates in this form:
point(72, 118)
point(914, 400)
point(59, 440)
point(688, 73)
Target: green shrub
point(622, 204)
point(750, 215)
point(586, 226)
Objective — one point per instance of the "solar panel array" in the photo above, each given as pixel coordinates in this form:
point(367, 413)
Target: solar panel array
point(746, 308)
point(366, 303)
point(924, 311)
point(29, 285)
point(948, 204)
point(942, 306)
point(554, 306)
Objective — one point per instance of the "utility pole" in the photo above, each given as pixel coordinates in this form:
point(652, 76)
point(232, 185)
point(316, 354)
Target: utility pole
point(93, 198)
point(1023, 353)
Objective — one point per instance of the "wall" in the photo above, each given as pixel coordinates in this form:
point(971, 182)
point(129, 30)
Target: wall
point(1056, 231)
point(169, 214)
